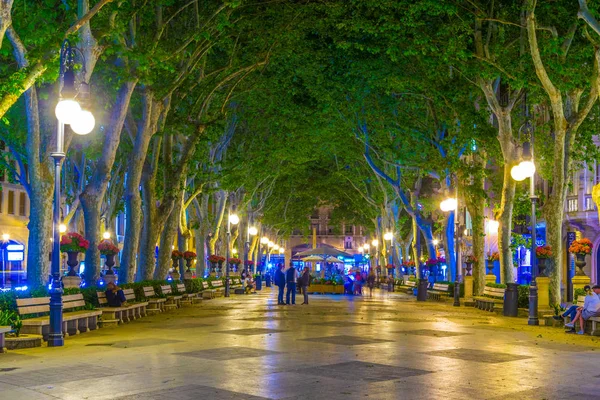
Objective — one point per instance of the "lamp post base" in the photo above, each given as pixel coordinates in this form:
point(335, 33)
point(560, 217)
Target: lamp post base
point(456, 294)
point(533, 305)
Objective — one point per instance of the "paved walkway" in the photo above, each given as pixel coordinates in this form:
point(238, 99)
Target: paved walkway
point(247, 347)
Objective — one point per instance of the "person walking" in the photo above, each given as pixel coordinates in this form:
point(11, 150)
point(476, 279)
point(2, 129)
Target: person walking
point(291, 278)
point(280, 282)
point(304, 282)
point(371, 282)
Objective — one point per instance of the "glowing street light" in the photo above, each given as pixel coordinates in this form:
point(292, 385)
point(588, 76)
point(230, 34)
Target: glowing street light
point(450, 204)
point(281, 250)
point(492, 226)
point(234, 219)
point(62, 228)
point(270, 244)
point(5, 237)
point(375, 242)
point(388, 236)
point(253, 231)
point(436, 242)
point(106, 235)
point(276, 247)
point(264, 240)
point(366, 246)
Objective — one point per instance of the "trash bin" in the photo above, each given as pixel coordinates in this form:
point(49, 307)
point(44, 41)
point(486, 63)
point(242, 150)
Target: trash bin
point(511, 300)
point(422, 290)
point(258, 281)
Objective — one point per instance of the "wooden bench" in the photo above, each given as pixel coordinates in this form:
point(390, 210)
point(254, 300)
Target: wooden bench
point(207, 292)
point(3, 330)
point(74, 322)
point(438, 290)
point(236, 283)
point(188, 298)
point(491, 297)
point(219, 287)
point(112, 316)
point(409, 286)
point(593, 321)
point(173, 301)
point(155, 304)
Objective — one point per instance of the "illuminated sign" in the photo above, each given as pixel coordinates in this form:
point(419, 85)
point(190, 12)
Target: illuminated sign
point(15, 256)
point(15, 247)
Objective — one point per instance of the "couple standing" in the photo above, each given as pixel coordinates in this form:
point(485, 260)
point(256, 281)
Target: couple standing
point(290, 277)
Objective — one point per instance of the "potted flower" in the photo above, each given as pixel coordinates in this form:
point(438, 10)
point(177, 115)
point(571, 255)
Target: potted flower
point(215, 260)
point(470, 259)
point(73, 243)
point(189, 257)
point(109, 250)
point(491, 258)
point(234, 262)
point(542, 253)
point(580, 248)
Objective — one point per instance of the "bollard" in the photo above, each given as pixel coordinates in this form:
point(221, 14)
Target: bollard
point(422, 290)
point(511, 300)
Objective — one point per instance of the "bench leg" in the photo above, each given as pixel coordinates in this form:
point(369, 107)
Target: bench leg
point(93, 323)
point(595, 331)
point(2, 344)
point(82, 325)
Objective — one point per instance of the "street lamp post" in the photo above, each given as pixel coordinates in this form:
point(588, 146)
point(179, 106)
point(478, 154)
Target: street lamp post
point(375, 243)
point(252, 231)
point(389, 236)
point(232, 219)
point(68, 111)
point(5, 241)
point(526, 169)
point(449, 205)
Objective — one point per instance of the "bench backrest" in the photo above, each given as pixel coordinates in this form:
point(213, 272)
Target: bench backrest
point(181, 288)
point(580, 300)
point(217, 283)
point(205, 285)
point(411, 283)
point(166, 289)
point(236, 281)
point(494, 292)
point(37, 305)
point(442, 287)
point(149, 291)
point(129, 295)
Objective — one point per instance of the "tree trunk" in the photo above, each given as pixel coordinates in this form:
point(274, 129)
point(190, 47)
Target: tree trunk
point(505, 212)
point(449, 245)
point(40, 229)
point(94, 192)
point(167, 240)
point(133, 201)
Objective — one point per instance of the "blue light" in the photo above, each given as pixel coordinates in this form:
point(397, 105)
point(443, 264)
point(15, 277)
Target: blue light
point(101, 283)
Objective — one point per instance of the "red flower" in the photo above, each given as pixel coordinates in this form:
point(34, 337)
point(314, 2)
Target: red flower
point(189, 255)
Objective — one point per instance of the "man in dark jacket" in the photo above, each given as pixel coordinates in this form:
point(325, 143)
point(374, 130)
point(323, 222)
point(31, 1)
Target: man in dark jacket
point(291, 277)
point(304, 281)
point(280, 282)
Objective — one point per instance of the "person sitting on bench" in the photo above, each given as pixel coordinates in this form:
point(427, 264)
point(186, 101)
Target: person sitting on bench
point(248, 284)
point(591, 308)
point(115, 296)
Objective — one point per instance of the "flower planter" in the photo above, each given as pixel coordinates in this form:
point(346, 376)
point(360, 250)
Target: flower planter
point(337, 289)
point(72, 262)
point(23, 342)
point(109, 278)
point(541, 263)
point(71, 282)
point(315, 289)
point(580, 264)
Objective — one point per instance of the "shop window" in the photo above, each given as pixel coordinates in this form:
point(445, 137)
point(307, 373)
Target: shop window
point(22, 203)
point(11, 202)
point(572, 204)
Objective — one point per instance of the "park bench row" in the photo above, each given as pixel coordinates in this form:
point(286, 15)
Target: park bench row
point(435, 291)
point(77, 319)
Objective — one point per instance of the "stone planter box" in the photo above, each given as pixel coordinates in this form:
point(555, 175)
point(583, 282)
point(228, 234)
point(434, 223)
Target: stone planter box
point(23, 342)
point(326, 289)
point(550, 321)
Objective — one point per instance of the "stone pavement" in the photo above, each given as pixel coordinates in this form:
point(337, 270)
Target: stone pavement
point(338, 347)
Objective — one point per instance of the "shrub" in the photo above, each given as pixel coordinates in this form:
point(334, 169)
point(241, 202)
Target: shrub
point(194, 285)
point(11, 318)
point(523, 296)
point(578, 292)
point(496, 285)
